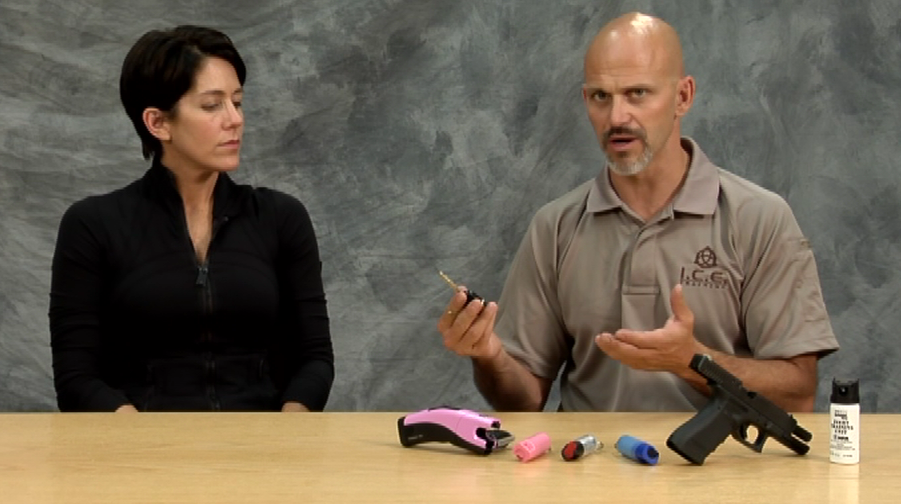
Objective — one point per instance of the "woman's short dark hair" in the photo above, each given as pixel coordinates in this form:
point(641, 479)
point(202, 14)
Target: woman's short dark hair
point(161, 67)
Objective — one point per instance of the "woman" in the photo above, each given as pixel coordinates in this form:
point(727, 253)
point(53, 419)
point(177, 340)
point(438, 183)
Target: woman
point(184, 290)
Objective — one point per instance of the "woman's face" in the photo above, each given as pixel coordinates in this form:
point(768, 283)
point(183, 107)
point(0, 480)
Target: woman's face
point(207, 123)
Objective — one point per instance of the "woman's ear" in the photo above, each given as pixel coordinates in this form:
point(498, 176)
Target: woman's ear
point(157, 123)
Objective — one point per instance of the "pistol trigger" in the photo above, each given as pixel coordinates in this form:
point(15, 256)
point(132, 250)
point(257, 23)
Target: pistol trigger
point(741, 435)
point(761, 439)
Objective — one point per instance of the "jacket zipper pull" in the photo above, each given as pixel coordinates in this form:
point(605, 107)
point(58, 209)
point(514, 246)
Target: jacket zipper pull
point(202, 274)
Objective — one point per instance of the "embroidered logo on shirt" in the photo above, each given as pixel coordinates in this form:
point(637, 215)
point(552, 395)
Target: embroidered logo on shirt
point(706, 274)
point(706, 258)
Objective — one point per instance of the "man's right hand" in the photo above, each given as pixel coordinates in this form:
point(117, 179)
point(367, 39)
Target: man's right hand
point(468, 329)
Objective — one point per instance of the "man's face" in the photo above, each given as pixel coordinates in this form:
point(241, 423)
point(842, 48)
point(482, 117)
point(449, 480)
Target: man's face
point(631, 93)
point(206, 129)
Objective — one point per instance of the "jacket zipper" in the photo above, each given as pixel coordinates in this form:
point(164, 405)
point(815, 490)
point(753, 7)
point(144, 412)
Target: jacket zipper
point(203, 282)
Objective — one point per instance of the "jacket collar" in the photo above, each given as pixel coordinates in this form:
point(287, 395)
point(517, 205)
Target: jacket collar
point(159, 182)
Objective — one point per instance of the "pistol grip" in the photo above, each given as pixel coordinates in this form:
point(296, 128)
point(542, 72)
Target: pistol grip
point(703, 433)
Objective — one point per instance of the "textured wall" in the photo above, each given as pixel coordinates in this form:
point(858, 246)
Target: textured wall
point(424, 134)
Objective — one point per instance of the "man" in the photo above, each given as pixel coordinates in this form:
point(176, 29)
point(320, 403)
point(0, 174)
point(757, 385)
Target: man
point(661, 257)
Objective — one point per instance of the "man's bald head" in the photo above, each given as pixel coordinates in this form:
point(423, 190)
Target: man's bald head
point(638, 38)
point(636, 93)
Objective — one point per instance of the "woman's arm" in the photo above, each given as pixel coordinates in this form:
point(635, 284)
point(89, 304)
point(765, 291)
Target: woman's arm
point(75, 297)
point(310, 358)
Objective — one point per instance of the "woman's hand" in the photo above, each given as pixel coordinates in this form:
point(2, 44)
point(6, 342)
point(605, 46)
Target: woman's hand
point(294, 407)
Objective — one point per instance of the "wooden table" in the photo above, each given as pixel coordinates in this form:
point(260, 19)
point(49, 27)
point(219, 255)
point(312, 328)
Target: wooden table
point(356, 457)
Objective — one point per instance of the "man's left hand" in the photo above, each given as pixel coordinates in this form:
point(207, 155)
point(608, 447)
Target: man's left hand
point(669, 348)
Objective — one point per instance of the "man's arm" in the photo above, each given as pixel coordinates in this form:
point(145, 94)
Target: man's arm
point(789, 383)
point(508, 386)
point(518, 376)
point(782, 308)
point(468, 330)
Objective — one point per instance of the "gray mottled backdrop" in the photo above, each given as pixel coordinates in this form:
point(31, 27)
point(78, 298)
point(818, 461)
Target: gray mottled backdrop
point(423, 134)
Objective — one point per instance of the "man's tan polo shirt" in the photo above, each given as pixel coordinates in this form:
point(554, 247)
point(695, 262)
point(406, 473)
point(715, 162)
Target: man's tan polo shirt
point(588, 264)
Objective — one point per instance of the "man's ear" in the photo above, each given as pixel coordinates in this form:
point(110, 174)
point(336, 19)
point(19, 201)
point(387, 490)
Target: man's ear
point(157, 123)
point(685, 95)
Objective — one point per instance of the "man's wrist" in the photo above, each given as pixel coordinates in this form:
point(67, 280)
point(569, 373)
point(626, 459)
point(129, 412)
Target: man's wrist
point(494, 361)
point(686, 372)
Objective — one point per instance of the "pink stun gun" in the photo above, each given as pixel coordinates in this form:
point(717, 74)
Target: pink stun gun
point(532, 447)
point(464, 428)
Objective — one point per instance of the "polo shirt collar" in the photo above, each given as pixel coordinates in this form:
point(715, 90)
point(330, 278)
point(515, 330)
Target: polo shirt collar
point(701, 190)
point(698, 195)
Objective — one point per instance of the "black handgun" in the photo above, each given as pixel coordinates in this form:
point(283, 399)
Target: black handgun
point(731, 410)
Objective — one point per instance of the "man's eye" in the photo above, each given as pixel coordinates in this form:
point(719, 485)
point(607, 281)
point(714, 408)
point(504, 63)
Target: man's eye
point(237, 104)
point(638, 93)
point(599, 95)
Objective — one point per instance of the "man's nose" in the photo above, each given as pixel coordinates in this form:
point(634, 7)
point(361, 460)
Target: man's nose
point(620, 113)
